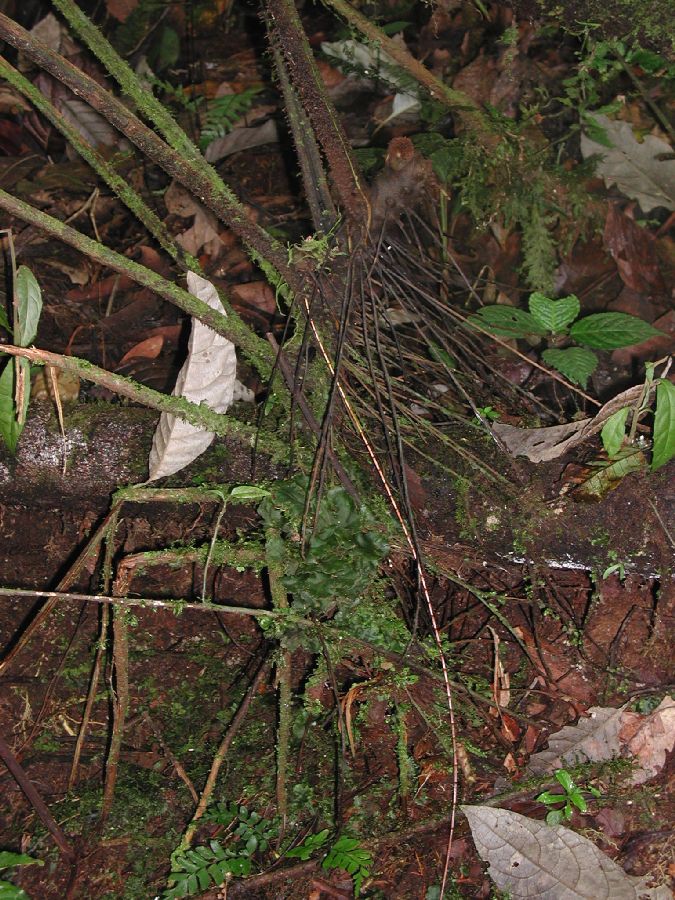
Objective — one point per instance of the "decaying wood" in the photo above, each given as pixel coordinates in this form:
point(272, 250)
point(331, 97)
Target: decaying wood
point(108, 446)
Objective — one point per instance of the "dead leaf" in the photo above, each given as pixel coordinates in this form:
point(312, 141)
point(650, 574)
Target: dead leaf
point(208, 376)
point(242, 139)
point(633, 249)
point(643, 171)
point(150, 348)
point(649, 738)
point(121, 9)
point(90, 124)
point(592, 739)
point(204, 230)
point(532, 859)
point(545, 444)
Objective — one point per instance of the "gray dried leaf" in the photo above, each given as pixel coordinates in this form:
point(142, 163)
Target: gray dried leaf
point(531, 859)
point(643, 171)
point(592, 739)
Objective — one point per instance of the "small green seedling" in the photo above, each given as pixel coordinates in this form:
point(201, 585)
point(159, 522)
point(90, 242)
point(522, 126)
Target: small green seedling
point(562, 805)
point(558, 322)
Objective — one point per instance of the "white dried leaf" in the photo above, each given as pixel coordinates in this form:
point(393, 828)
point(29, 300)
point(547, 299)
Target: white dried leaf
point(208, 376)
point(592, 739)
point(532, 859)
point(643, 171)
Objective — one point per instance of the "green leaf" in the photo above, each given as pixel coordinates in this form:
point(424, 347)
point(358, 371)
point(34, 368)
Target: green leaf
point(439, 355)
point(8, 858)
point(614, 431)
point(28, 305)
point(607, 331)
point(549, 798)
point(506, 321)
point(554, 315)
point(664, 425)
point(575, 363)
point(4, 321)
point(9, 891)
point(247, 492)
point(555, 817)
point(10, 430)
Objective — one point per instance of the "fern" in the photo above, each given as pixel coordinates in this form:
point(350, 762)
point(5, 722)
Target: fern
point(196, 870)
point(223, 112)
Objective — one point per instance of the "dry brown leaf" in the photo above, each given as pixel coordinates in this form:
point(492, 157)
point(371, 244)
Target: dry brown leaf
point(649, 738)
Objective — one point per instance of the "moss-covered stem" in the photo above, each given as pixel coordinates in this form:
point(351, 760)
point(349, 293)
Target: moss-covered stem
point(288, 34)
point(197, 176)
point(230, 325)
point(471, 114)
point(196, 414)
point(115, 182)
point(119, 676)
point(127, 79)
point(284, 671)
point(324, 214)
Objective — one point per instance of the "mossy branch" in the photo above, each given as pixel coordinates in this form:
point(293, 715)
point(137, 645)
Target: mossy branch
point(115, 182)
point(288, 34)
point(471, 114)
point(197, 176)
point(127, 79)
point(229, 326)
point(196, 414)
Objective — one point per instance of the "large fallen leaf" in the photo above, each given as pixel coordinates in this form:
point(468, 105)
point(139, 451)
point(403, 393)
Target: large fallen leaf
point(590, 740)
point(531, 859)
point(643, 171)
point(208, 376)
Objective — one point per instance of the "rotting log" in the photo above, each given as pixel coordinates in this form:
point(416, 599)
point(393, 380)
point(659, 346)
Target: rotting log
point(106, 446)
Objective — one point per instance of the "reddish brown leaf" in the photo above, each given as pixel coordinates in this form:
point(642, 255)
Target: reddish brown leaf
point(121, 9)
point(632, 248)
point(150, 348)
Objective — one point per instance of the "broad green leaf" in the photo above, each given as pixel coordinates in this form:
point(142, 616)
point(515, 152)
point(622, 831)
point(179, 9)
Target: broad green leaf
point(565, 779)
point(607, 331)
point(10, 430)
point(575, 363)
point(8, 858)
point(506, 321)
point(614, 431)
point(664, 425)
point(28, 300)
point(554, 315)
point(9, 891)
point(246, 492)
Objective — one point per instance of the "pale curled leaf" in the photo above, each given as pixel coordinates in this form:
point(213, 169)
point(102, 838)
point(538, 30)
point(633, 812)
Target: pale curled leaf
point(531, 859)
point(643, 171)
point(208, 376)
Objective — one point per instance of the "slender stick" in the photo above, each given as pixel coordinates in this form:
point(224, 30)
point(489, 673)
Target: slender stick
point(36, 800)
point(221, 753)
